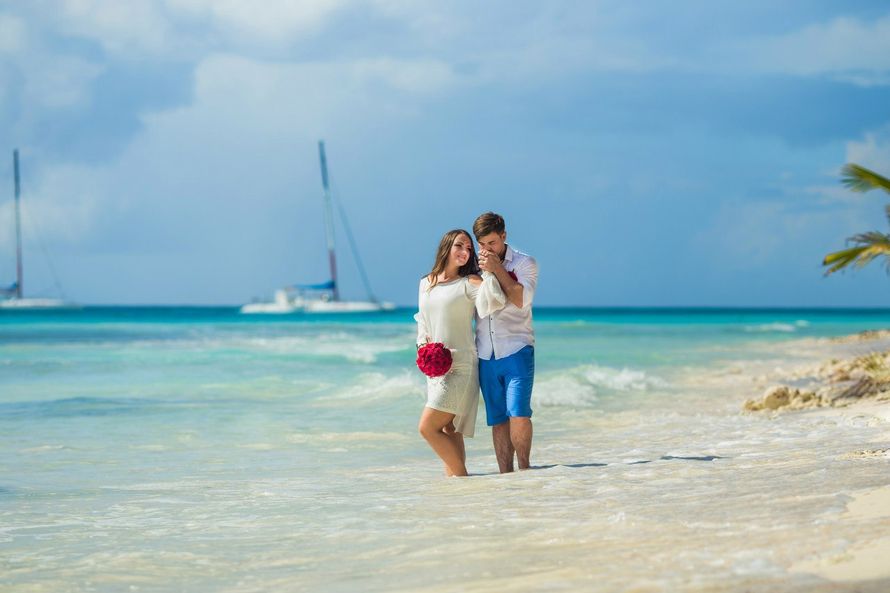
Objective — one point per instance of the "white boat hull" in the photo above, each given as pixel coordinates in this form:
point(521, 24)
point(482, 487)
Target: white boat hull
point(268, 308)
point(346, 307)
point(22, 304)
point(282, 305)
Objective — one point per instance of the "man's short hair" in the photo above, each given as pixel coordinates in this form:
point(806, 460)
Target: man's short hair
point(488, 223)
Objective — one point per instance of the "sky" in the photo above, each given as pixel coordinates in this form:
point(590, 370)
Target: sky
point(646, 153)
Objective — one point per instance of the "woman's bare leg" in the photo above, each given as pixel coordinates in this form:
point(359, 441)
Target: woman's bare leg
point(458, 440)
point(432, 423)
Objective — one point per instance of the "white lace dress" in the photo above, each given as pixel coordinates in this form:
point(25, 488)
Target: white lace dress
point(446, 315)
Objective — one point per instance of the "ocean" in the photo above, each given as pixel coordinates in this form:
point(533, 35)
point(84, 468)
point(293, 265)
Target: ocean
point(197, 449)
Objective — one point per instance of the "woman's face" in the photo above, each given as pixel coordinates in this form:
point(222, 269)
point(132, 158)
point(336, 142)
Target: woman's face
point(461, 250)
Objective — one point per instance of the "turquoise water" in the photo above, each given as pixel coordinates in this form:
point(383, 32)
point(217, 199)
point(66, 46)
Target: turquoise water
point(199, 449)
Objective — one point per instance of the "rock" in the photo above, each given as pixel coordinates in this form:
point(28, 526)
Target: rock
point(858, 374)
point(776, 397)
point(840, 375)
point(836, 383)
point(864, 336)
point(781, 397)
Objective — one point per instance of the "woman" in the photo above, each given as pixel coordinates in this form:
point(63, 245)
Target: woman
point(446, 304)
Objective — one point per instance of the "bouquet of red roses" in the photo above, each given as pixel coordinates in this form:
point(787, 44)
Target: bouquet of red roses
point(434, 360)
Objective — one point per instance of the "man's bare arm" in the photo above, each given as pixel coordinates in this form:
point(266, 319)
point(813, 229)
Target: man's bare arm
point(511, 288)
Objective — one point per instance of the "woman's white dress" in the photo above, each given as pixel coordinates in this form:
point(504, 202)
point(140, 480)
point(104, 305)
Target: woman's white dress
point(446, 315)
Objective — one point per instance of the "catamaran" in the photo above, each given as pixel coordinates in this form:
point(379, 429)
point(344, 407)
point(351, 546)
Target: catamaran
point(12, 297)
point(323, 297)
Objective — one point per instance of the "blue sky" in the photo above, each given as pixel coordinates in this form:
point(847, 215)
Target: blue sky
point(652, 153)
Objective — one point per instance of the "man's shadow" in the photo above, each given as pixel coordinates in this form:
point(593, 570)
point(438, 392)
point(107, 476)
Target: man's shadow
point(636, 462)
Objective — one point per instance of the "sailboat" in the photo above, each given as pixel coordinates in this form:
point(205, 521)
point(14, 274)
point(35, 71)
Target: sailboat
point(323, 297)
point(12, 297)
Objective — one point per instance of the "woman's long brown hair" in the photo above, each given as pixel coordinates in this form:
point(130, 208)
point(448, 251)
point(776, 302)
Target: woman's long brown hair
point(441, 262)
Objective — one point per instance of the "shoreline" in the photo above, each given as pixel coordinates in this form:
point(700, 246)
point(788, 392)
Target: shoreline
point(849, 390)
point(835, 383)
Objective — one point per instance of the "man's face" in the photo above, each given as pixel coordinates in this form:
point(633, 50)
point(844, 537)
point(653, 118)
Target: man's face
point(494, 242)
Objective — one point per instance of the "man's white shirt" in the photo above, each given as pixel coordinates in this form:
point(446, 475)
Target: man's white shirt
point(509, 330)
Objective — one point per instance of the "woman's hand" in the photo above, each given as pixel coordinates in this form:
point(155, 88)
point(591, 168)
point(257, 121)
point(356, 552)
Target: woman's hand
point(489, 262)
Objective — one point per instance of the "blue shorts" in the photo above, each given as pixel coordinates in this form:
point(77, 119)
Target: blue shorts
point(507, 386)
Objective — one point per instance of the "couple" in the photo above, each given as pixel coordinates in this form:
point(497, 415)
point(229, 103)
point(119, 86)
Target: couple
point(499, 355)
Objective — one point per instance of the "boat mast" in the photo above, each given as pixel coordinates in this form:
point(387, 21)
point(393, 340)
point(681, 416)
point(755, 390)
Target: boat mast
point(328, 219)
point(18, 226)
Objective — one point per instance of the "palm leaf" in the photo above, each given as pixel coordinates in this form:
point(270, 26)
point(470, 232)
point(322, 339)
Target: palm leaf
point(860, 179)
point(841, 259)
point(868, 247)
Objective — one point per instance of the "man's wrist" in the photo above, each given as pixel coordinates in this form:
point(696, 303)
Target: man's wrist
point(502, 274)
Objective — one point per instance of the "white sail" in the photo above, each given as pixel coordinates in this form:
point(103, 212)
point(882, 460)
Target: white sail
point(325, 297)
point(13, 297)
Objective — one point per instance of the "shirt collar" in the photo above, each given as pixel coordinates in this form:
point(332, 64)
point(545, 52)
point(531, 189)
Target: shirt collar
point(508, 255)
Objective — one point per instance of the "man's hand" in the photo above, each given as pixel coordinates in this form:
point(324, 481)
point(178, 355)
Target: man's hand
point(489, 261)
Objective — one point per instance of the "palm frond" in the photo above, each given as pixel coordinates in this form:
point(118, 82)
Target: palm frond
point(868, 247)
point(841, 259)
point(860, 179)
point(872, 239)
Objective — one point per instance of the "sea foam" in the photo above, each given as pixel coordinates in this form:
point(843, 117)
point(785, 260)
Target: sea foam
point(777, 327)
point(581, 386)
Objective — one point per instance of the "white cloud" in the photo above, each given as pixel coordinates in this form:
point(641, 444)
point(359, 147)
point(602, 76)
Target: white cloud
point(180, 29)
point(58, 81)
point(313, 87)
point(565, 55)
point(844, 48)
point(13, 35)
point(246, 116)
point(61, 206)
point(131, 27)
point(755, 233)
point(826, 195)
point(433, 23)
point(413, 76)
point(872, 152)
point(269, 21)
point(36, 75)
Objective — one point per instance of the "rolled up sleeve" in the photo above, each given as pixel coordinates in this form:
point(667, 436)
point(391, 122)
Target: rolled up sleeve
point(527, 275)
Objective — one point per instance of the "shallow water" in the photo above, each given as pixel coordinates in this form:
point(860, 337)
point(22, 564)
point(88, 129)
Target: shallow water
point(197, 450)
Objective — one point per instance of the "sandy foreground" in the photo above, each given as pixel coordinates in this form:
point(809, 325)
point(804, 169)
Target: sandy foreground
point(862, 561)
point(854, 388)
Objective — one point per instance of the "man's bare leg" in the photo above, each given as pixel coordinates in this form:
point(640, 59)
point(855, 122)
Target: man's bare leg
point(503, 447)
point(521, 439)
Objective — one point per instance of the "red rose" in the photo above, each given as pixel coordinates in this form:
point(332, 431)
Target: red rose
point(513, 275)
point(434, 360)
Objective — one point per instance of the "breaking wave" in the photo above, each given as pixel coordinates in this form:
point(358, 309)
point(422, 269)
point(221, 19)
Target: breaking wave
point(777, 327)
point(582, 386)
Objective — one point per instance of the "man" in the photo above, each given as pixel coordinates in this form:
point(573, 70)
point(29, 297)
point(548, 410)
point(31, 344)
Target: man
point(505, 341)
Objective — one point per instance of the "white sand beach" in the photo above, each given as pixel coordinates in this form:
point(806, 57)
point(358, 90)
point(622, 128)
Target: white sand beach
point(866, 558)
